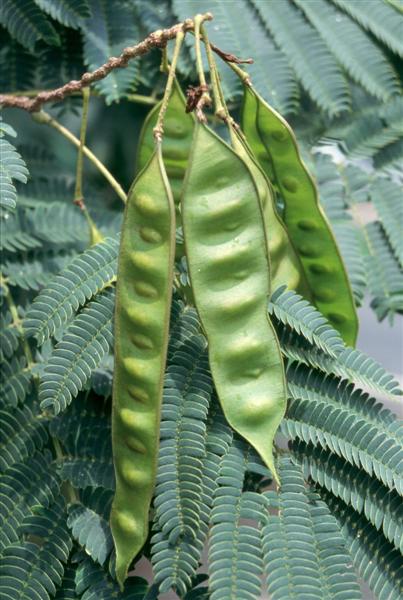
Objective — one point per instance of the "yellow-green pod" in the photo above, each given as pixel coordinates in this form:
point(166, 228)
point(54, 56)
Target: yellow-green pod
point(178, 132)
point(226, 249)
point(285, 266)
point(273, 142)
point(143, 299)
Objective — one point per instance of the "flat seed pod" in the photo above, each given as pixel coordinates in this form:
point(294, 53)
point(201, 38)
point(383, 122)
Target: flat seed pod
point(274, 144)
point(285, 266)
point(178, 133)
point(143, 299)
point(227, 257)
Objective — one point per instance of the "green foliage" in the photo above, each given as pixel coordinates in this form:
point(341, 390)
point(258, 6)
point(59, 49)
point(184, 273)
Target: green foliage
point(16, 376)
point(68, 12)
point(372, 251)
point(234, 547)
point(89, 522)
point(382, 507)
point(22, 433)
point(9, 337)
point(307, 54)
point(27, 23)
point(39, 564)
point(92, 583)
point(302, 563)
point(85, 276)
point(81, 349)
point(324, 413)
point(24, 487)
point(390, 212)
point(302, 45)
point(84, 432)
point(379, 18)
point(17, 65)
point(385, 274)
point(374, 558)
point(352, 47)
point(12, 167)
point(187, 393)
point(110, 29)
point(295, 312)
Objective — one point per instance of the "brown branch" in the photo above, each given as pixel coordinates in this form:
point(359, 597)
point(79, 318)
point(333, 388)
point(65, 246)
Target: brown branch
point(157, 39)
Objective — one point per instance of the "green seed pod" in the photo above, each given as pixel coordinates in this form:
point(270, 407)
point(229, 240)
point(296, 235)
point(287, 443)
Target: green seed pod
point(143, 299)
point(226, 248)
point(285, 266)
point(274, 144)
point(178, 132)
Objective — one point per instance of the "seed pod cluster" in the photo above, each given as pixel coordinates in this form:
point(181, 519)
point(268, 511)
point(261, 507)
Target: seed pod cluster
point(238, 249)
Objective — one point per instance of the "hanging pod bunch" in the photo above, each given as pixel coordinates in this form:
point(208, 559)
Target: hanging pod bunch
point(237, 249)
point(226, 249)
point(273, 143)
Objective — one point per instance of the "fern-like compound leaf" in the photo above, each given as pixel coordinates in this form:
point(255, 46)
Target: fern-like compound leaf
point(67, 12)
point(299, 560)
point(351, 364)
point(334, 187)
point(89, 522)
point(376, 560)
point(110, 29)
point(378, 18)
point(67, 588)
point(16, 376)
point(37, 270)
point(18, 67)
point(13, 238)
point(175, 564)
point(292, 310)
point(9, 336)
point(93, 583)
point(191, 426)
point(385, 274)
point(313, 63)
point(234, 547)
point(33, 570)
point(12, 167)
point(184, 324)
point(329, 413)
point(88, 274)
point(187, 391)
point(58, 223)
point(85, 433)
point(21, 434)
point(22, 488)
point(83, 346)
point(387, 199)
point(381, 506)
point(363, 60)
point(27, 23)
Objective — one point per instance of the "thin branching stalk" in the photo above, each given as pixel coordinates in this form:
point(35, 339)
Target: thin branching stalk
point(43, 117)
point(157, 39)
point(95, 234)
point(159, 128)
